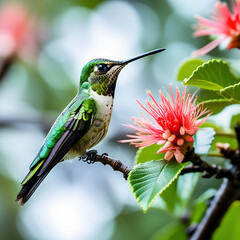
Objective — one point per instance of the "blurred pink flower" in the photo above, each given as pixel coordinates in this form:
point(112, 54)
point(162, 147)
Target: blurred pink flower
point(17, 31)
point(174, 121)
point(224, 27)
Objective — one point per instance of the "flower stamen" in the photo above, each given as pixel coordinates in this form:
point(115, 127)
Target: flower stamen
point(174, 122)
point(166, 134)
point(223, 27)
point(180, 142)
point(172, 138)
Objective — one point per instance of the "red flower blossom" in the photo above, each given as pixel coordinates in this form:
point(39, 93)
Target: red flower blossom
point(224, 27)
point(174, 122)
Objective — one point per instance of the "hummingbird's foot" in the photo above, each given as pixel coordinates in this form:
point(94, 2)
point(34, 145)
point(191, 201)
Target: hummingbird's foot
point(90, 157)
point(104, 155)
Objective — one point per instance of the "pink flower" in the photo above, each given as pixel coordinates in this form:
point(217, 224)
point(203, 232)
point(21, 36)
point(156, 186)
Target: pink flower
point(224, 27)
point(17, 31)
point(173, 122)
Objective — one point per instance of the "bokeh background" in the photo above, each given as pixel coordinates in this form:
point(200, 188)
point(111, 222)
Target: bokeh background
point(40, 65)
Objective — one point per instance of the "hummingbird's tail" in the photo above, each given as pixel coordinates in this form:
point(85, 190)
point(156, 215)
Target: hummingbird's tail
point(29, 188)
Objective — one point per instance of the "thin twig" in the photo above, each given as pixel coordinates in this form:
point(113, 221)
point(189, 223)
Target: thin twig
point(115, 164)
point(92, 156)
point(191, 169)
point(201, 166)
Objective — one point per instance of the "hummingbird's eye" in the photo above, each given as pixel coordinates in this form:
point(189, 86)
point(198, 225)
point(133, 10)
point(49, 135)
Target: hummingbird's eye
point(102, 68)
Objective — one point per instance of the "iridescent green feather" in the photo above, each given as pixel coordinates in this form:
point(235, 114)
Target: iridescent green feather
point(32, 173)
point(58, 128)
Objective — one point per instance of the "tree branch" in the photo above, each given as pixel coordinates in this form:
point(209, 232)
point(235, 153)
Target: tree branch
point(225, 196)
point(198, 165)
point(201, 166)
point(92, 156)
point(223, 199)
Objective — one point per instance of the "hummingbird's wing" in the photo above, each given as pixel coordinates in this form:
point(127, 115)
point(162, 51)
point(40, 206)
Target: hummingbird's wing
point(70, 126)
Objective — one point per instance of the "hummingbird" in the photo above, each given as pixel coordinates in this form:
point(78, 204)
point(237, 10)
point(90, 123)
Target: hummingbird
point(82, 124)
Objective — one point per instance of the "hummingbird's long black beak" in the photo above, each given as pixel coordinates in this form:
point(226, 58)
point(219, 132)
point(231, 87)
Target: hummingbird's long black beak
point(143, 55)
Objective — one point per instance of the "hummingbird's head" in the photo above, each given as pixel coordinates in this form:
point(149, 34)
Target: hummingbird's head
point(102, 74)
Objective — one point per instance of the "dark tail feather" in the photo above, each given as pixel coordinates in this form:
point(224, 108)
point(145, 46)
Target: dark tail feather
point(29, 188)
point(67, 140)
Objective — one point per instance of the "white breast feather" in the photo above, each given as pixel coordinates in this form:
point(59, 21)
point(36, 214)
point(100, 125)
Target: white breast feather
point(99, 127)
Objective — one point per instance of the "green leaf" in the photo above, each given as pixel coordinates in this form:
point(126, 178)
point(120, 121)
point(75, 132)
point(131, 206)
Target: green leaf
point(200, 205)
point(148, 180)
point(213, 101)
point(203, 140)
point(188, 67)
point(185, 188)
point(149, 153)
point(232, 92)
point(217, 105)
point(212, 75)
point(204, 95)
point(178, 194)
point(235, 120)
point(170, 198)
point(219, 86)
point(172, 231)
point(132, 224)
point(229, 228)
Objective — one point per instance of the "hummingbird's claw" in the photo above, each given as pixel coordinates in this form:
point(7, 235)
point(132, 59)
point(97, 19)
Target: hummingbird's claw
point(104, 155)
point(89, 157)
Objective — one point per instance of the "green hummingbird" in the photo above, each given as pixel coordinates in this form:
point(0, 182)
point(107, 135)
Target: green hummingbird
point(82, 124)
